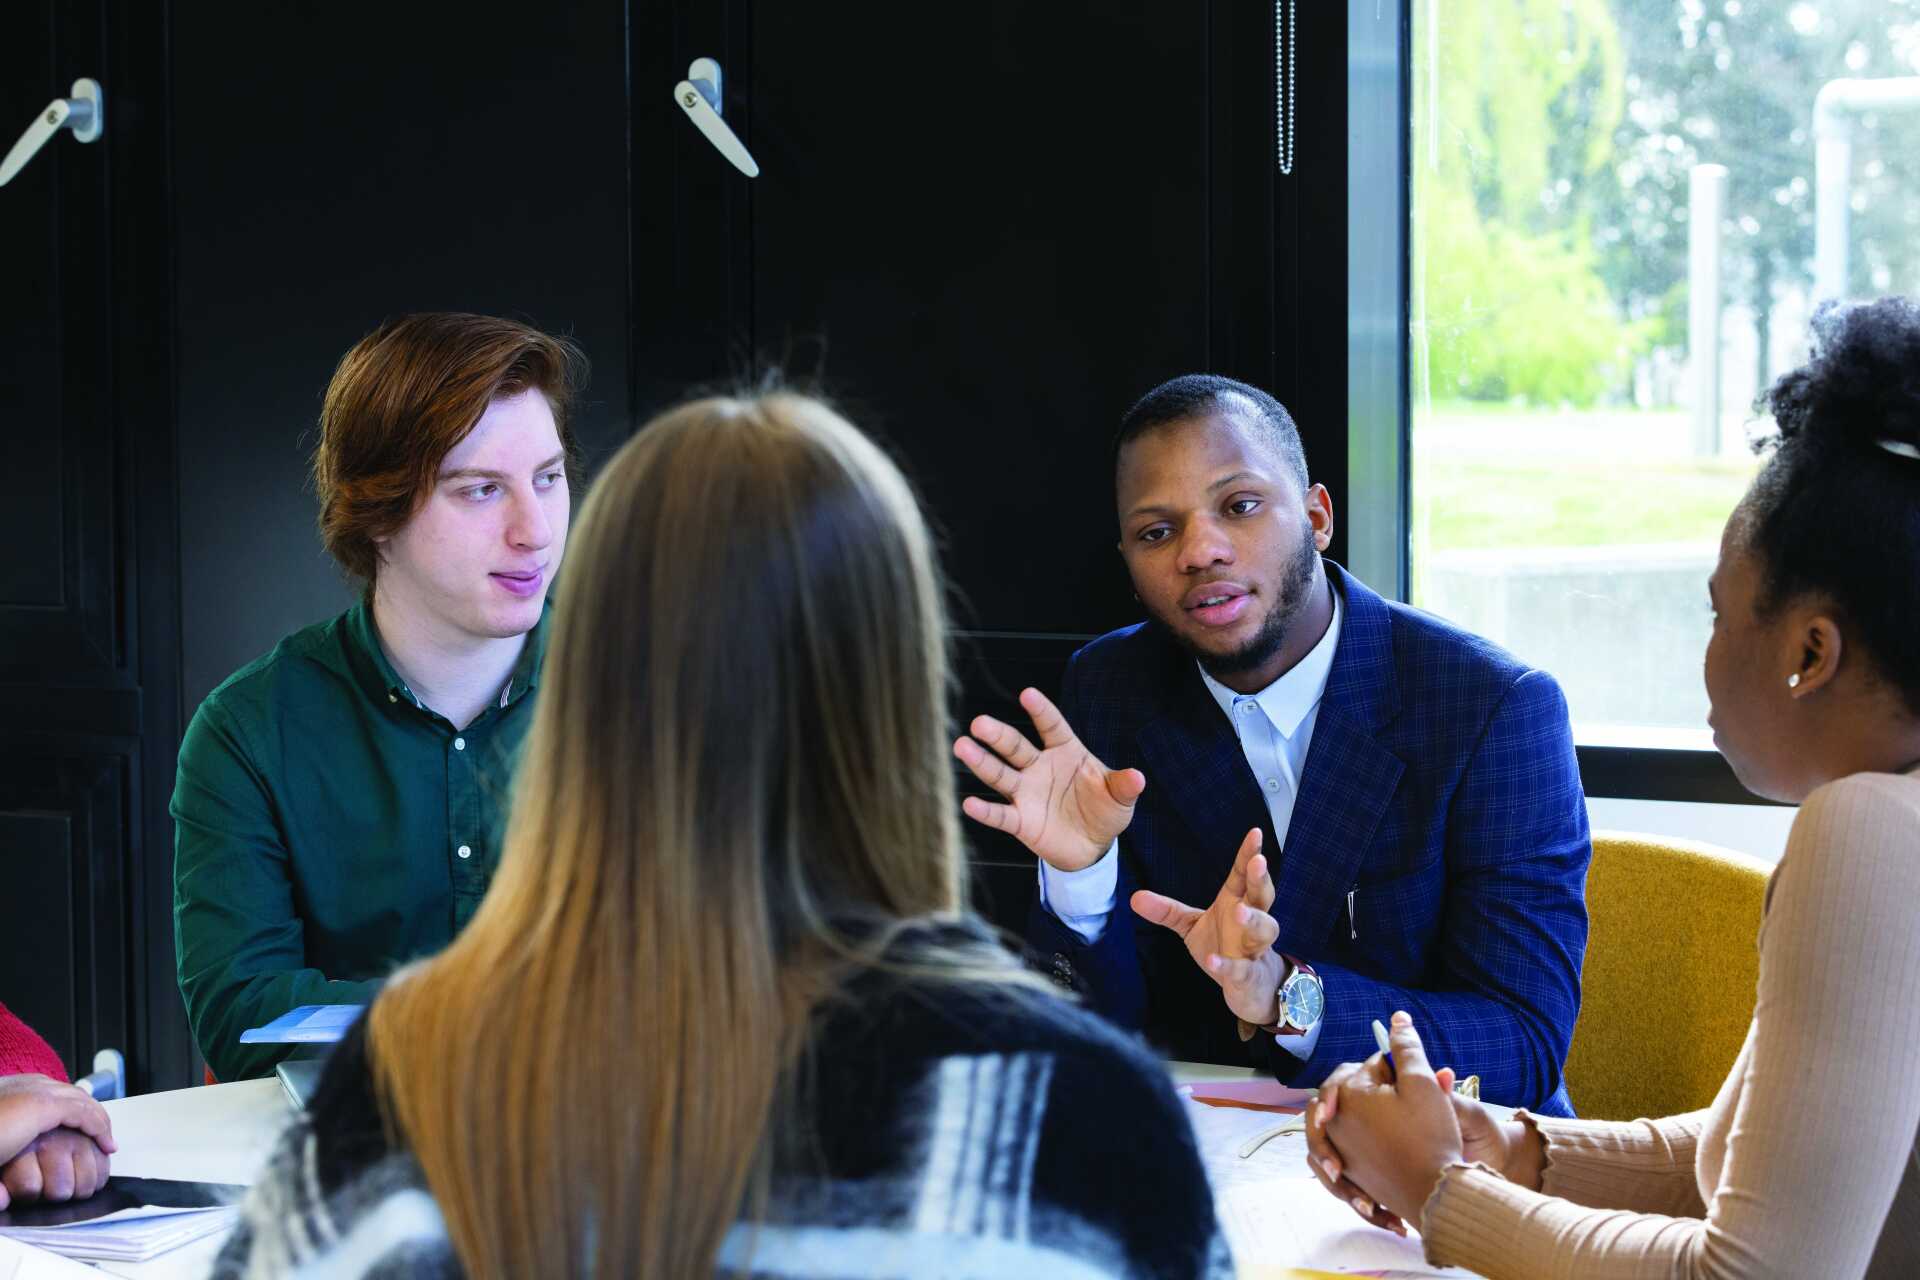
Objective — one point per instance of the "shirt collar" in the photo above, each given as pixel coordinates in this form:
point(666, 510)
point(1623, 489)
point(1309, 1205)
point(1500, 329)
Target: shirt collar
point(383, 681)
point(1287, 701)
point(526, 672)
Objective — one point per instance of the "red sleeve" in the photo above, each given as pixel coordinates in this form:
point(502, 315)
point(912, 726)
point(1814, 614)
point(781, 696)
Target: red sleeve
point(24, 1053)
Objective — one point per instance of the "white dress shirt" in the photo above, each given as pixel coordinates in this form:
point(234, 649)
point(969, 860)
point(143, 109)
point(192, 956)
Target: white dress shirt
point(1275, 729)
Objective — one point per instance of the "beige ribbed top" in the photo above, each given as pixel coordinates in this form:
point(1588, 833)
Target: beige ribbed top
point(1805, 1165)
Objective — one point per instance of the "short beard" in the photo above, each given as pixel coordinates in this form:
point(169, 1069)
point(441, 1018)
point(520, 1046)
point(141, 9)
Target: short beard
point(1272, 636)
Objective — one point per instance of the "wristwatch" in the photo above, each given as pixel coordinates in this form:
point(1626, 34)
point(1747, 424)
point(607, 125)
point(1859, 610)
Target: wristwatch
point(1302, 1000)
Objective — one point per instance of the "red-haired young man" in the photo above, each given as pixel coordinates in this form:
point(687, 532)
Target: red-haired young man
point(339, 800)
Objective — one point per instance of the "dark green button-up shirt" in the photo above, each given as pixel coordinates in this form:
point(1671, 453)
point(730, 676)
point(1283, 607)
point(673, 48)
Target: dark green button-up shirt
point(328, 828)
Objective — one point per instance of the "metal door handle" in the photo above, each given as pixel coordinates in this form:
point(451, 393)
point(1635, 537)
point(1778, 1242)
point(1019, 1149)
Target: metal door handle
point(699, 96)
point(85, 113)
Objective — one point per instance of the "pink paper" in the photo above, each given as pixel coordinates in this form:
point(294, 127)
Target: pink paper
point(1264, 1095)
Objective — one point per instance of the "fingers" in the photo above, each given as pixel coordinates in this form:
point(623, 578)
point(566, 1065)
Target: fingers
point(1236, 975)
point(75, 1108)
point(987, 767)
point(1001, 817)
point(1047, 720)
point(1377, 1070)
point(56, 1171)
point(1257, 928)
point(1373, 1214)
point(89, 1169)
point(1409, 1055)
point(1125, 785)
point(1324, 1162)
point(1259, 893)
point(1156, 908)
point(22, 1177)
point(1008, 742)
point(1321, 1155)
point(1236, 885)
point(1444, 1078)
point(1330, 1087)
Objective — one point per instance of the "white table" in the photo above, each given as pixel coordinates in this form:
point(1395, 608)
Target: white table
point(224, 1133)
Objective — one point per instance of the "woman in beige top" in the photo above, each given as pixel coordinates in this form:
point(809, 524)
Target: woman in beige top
point(1805, 1164)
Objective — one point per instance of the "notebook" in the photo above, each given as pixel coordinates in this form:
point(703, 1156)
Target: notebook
point(309, 1024)
point(128, 1220)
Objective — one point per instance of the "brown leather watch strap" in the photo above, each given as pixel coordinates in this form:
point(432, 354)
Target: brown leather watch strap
point(1278, 1027)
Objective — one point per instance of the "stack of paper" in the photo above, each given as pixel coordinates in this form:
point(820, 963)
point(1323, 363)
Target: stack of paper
point(127, 1235)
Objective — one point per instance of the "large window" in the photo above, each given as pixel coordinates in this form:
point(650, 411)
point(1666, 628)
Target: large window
point(1613, 241)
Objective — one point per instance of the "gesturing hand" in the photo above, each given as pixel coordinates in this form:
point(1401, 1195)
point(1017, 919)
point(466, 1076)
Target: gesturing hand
point(1062, 802)
point(32, 1105)
point(1232, 939)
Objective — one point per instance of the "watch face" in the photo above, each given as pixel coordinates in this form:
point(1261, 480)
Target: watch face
point(1305, 1000)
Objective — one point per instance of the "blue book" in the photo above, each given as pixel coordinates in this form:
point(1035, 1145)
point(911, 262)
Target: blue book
point(309, 1024)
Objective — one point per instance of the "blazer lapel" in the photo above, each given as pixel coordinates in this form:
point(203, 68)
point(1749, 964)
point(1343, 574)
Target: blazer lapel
point(1190, 754)
point(1349, 779)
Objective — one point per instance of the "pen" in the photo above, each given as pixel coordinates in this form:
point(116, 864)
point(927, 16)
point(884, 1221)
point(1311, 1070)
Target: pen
point(1380, 1038)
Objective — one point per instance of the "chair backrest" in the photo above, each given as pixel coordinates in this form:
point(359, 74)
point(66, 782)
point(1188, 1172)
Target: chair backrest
point(1673, 962)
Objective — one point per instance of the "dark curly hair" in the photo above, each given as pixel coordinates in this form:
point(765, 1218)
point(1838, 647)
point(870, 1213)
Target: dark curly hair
point(1835, 512)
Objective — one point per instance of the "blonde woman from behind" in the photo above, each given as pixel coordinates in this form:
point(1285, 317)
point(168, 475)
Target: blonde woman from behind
point(723, 1009)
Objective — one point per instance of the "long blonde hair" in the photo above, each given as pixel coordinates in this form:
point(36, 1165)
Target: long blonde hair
point(740, 748)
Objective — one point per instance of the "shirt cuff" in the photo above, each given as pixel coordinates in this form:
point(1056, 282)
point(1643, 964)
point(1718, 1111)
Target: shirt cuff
point(1082, 900)
point(1301, 1046)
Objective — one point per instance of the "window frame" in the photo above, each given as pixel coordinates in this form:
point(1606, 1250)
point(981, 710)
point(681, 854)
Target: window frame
point(1379, 77)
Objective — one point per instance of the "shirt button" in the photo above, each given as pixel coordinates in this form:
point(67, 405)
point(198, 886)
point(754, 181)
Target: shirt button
point(459, 744)
point(464, 851)
point(1273, 784)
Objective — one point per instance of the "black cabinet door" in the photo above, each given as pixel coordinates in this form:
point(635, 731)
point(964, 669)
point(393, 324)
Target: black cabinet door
point(985, 231)
point(88, 658)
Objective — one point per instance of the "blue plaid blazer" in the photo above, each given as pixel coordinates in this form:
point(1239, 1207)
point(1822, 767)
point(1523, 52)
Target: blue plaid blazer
point(1440, 797)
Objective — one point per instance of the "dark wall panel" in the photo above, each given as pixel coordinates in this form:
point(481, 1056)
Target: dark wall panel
point(992, 247)
point(38, 866)
point(64, 916)
point(340, 163)
point(82, 657)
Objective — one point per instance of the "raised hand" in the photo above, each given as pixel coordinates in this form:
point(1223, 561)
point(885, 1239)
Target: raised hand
point(1233, 938)
point(1061, 801)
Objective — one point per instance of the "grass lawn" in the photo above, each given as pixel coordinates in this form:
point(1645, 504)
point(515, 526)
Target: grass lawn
point(1485, 502)
point(1499, 476)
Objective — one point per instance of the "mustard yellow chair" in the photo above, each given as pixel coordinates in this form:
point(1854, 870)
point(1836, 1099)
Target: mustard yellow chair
point(1672, 967)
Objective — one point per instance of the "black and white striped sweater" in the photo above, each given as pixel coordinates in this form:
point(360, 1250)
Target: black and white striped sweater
point(957, 1133)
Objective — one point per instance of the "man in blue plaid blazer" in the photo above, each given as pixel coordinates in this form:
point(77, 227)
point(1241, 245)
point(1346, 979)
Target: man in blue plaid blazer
point(1366, 795)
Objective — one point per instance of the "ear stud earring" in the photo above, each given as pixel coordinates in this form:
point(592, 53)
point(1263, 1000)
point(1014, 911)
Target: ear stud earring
point(1793, 681)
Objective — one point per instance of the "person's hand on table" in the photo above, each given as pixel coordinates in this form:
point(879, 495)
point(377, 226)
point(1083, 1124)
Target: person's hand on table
point(1063, 803)
point(1382, 1144)
point(62, 1165)
point(54, 1140)
point(1233, 938)
point(1379, 1139)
